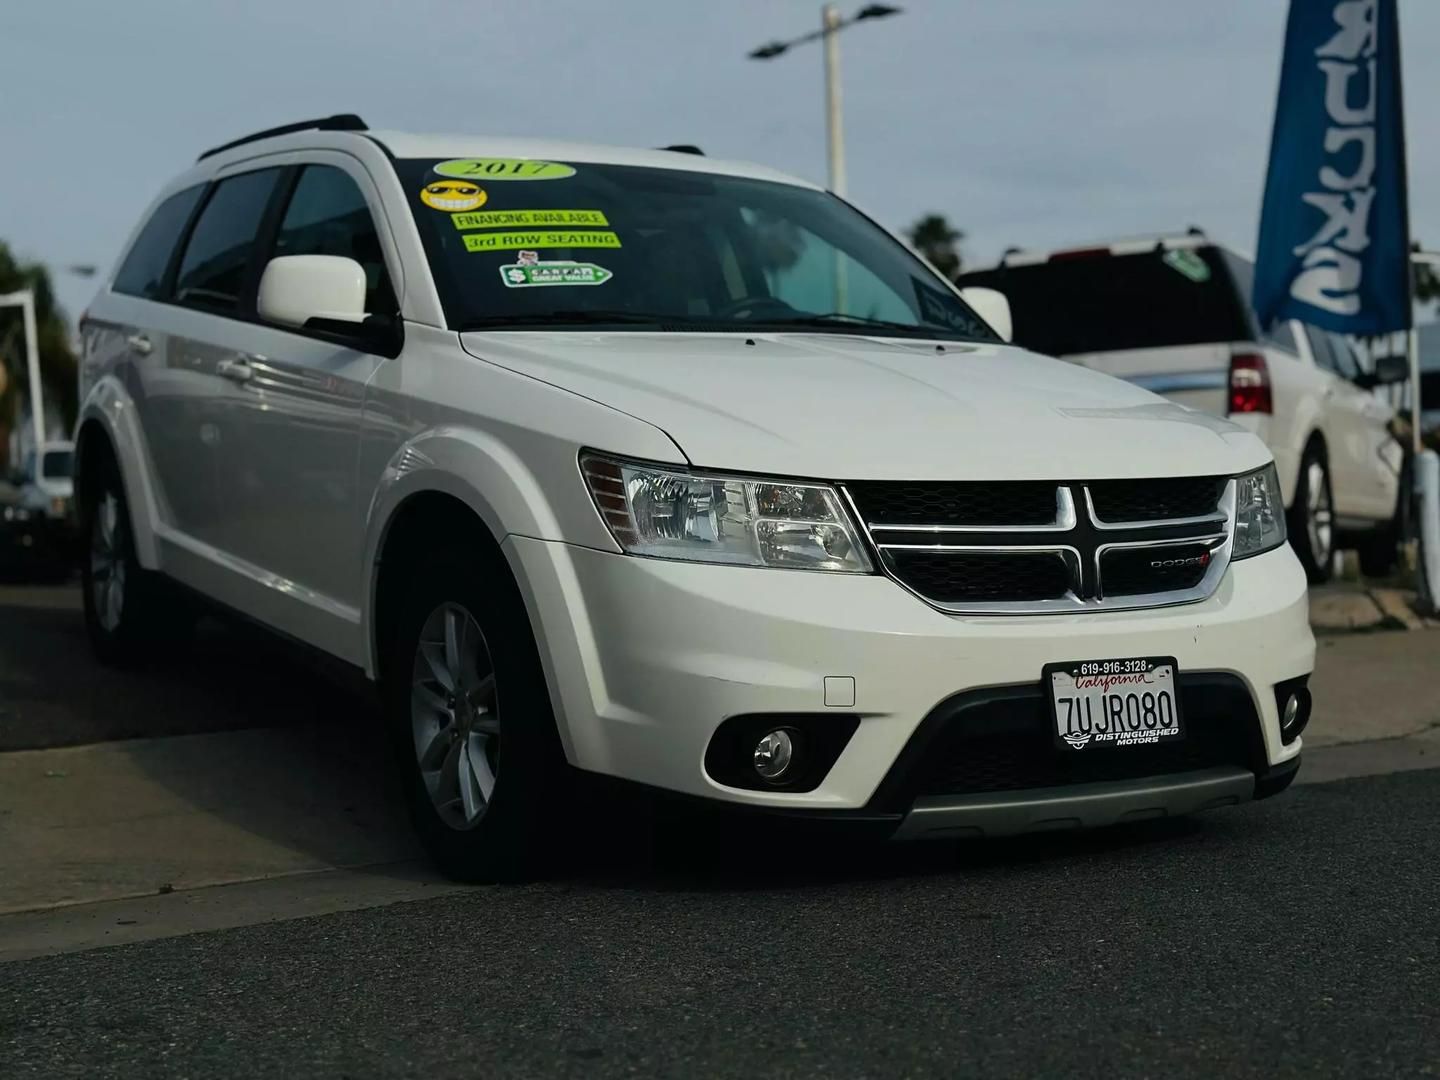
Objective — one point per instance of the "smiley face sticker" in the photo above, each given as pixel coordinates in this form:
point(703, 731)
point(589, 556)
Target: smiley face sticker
point(453, 195)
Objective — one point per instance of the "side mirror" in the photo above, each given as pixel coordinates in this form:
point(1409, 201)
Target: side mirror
point(991, 305)
point(1391, 369)
point(297, 288)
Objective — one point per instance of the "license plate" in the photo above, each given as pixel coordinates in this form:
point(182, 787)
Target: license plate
point(1113, 704)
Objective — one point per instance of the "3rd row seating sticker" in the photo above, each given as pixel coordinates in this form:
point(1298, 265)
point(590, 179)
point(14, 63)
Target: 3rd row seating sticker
point(490, 169)
point(507, 241)
point(491, 219)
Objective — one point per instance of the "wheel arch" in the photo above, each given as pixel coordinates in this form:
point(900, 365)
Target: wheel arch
point(108, 424)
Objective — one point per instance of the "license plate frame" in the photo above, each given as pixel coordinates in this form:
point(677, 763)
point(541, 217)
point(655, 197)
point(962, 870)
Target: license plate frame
point(1080, 729)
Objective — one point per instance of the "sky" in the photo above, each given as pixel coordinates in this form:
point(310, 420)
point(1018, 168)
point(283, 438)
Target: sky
point(1026, 122)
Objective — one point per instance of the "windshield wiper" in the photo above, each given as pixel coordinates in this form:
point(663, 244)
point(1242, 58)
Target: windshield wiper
point(841, 318)
point(595, 317)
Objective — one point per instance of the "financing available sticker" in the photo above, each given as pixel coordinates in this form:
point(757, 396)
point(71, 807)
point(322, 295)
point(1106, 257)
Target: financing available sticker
point(520, 219)
point(530, 271)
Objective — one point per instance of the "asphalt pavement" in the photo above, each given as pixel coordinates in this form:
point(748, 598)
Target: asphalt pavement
point(1295, 937)
point(1292, 938)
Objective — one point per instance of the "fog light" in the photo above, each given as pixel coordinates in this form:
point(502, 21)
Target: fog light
point(1292, 713)
point(773, 755)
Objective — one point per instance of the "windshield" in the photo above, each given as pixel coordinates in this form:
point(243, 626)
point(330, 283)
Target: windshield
point(1099, 302)
point(58, 465)
point(529, 244)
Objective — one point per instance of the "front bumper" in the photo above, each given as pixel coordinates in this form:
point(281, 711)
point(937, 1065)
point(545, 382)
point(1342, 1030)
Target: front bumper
point(645, 658)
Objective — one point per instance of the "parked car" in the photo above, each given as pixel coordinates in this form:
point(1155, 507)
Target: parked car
point(679, 471)
point(1173, 314)
point(37, 515)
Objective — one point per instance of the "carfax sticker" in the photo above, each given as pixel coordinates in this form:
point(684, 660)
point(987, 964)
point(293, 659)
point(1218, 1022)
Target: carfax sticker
point(500, 168)
point(1188, 263)
point(530, 271)
point(507, 241)
point(519, 219)
point(452, 195)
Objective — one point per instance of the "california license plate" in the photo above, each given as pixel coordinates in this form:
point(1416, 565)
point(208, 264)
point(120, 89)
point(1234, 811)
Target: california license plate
point(1112, 704)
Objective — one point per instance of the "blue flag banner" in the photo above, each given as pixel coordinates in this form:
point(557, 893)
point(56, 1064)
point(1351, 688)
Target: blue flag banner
point(1334, 228)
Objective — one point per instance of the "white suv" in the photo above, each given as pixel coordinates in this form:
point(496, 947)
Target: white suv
point(679, 471)
point(1172, 314)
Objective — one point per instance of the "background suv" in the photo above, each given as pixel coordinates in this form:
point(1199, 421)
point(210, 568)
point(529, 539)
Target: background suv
point(1172, 314)
point(679, 471)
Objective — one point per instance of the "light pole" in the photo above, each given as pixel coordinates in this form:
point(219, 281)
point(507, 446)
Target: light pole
point(25, 301)
point(830, 26)
point(1420, 258)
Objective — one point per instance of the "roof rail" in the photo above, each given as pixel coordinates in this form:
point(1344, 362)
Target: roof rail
point(338, 122)
point(683, 148)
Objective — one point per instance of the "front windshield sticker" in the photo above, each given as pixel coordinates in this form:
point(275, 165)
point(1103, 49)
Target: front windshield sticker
point(529, 271)
point(499, 168)
point(492, 219)
point(452, 195)
point(510, 241)
point(1188, 263)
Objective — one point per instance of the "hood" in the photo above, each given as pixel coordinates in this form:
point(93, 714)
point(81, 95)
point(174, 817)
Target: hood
point(841, 407)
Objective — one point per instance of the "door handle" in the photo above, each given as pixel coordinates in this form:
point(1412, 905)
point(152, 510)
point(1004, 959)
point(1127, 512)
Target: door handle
point(141, 343)
point(235, 370)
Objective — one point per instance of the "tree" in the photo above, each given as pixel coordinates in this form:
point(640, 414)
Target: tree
point(57, 360)
point(935, 238)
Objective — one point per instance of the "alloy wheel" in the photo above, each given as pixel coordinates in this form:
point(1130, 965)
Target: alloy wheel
point(454, 716)
point(1319, 515)
point(108, 547)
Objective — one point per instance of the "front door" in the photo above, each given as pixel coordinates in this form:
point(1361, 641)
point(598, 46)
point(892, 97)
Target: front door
point(290, 475)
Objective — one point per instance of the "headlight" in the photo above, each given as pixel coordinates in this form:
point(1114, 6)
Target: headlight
point(670, 514)
point(16, 513)
point(1259, 513)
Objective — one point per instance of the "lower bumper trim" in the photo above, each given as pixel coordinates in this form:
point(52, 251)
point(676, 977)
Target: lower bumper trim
point(1080, 806)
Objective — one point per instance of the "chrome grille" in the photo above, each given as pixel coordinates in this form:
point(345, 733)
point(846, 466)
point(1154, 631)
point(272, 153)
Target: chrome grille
point(994, 552)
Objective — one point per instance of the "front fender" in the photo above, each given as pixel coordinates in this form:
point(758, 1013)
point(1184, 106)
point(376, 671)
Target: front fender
point(481, 472)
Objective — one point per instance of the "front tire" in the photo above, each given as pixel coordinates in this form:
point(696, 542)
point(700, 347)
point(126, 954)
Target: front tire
point(127, 608)
point(1312, 517)
point(470, 721)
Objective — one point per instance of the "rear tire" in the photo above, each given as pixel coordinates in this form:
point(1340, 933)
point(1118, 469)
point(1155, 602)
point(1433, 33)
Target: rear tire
point(470, 720)
point(1312, 517)
point(128, 609)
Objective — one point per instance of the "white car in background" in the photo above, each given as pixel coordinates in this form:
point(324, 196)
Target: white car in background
point(1172, 314)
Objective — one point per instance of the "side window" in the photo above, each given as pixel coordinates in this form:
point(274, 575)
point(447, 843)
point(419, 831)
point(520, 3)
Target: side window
point(1347, 364)
point(143, 271)
point(215, 269)
point(1282, 337)
point(1320, 349)
point(328, 215)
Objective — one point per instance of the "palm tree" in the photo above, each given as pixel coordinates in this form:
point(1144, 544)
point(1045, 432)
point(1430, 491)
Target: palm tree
point(57, 360)
point(935, 238)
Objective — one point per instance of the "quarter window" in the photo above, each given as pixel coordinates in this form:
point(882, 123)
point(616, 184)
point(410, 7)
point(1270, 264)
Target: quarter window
point(215, 270)
point(143, 271)
point(328, 215)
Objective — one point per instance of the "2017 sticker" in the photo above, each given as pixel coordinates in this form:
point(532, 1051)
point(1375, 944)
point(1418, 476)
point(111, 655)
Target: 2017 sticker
point(500, 168)
point(531, 272)
point(491, 219)
point(506, 241)
point(452, 195)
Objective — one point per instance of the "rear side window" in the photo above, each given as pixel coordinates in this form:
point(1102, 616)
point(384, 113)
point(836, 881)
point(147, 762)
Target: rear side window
point(215, 270)
point(328, 215)
point(1333, 353)
point(143, 271)
point(1099, 302)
